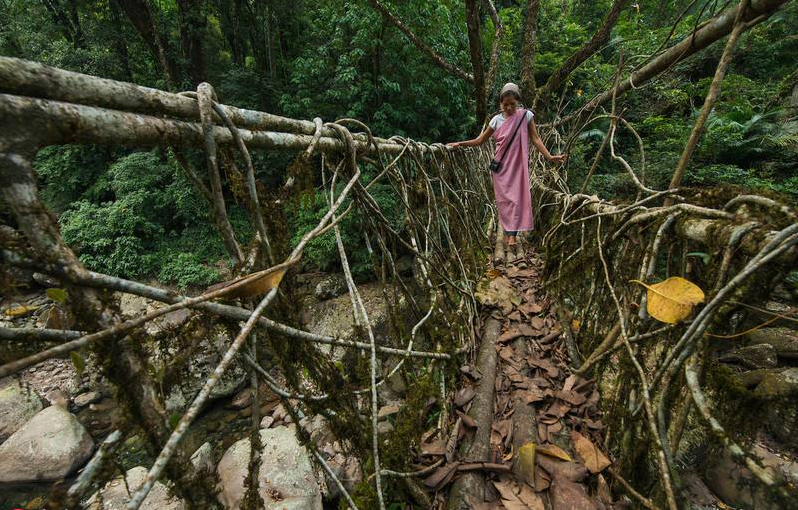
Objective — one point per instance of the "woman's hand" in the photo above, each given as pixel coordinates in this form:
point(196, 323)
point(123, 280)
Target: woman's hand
point(453, 145)
point(559, 158)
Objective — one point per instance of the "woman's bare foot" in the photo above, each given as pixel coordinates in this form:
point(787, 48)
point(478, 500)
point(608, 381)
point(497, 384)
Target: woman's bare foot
point(511, 240)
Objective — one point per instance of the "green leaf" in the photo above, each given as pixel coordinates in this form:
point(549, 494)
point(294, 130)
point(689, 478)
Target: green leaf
point(174, 419)
point(705, 257)
point(57, 295)
point(77, 361)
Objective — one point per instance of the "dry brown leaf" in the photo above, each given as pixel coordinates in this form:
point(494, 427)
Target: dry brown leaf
point(441, 476)
point(560, 469)
point(464, 396)
point(509, 497)
point(530, 498)
point(436, 447)
point(672, 300)
point(594, 460)
point(467, 420)
point(571, 397)
point(252, 288)
point(567, 495)
point(537, 322)
point(552, 450)
point(542, 479)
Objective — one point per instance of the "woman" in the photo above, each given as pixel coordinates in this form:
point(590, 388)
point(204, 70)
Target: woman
point(511, 182)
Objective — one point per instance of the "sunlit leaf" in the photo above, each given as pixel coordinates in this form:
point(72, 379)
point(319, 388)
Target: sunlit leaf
point(57, 295)
point(20, 311)
point(672, 300)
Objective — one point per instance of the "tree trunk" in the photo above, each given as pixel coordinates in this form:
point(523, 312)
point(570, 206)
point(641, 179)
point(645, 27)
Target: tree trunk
point(191, 18)
point(528, 51)
point(230, 18)
point(66, 18)
point(140, 16)
point(473, 22)
point(120, 45)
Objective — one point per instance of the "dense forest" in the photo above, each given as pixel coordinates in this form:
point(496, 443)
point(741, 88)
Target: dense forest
point(346, 59)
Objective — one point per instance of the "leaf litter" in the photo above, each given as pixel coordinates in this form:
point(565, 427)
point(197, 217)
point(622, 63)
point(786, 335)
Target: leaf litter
point(560, 457)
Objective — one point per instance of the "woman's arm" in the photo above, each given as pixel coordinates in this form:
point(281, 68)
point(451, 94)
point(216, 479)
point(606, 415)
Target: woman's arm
point(482, 138)
point(538, 143)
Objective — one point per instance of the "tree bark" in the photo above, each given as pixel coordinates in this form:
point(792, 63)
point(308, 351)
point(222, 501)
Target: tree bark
point(191, 18)
point(473, 23)
point(528, 86)
point(556, 80)
point(140, 16)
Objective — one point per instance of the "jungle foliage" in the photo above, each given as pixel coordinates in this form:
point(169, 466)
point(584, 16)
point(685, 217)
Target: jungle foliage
point(135, 214)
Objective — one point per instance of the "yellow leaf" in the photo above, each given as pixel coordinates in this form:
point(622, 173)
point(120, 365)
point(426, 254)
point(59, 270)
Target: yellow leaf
point(576, 324)
point(526, 462)
point(20, 311)
point(672, 300)
point(493, 273)
point(555, 451)
point(253, 287)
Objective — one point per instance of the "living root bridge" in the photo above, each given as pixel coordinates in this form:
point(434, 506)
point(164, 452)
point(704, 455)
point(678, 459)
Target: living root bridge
point(440, 194)
point(652, 375)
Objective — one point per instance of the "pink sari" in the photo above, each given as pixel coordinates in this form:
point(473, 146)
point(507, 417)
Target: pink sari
point(511, 183)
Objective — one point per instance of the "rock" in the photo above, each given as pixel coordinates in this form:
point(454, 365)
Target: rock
point(333, 317)
point(45, 280)
point(346, 469)
point(203, 458)
point(736, 486)
point(241, 400)
point(753, 356)
point(404, 265)
point(266, 422)
point(779, 384)
point(194, 372)
point(384, 427)
point(330, 287)
point(58, 398)
point(18, 276)
point(55, 317)
point(784, 340)
point(114, 496)
point(50, 446)
point(782, 422)
point(170, 322)
point(18, 404)
point(131, 306)
point(85, 399)
point(285, 470)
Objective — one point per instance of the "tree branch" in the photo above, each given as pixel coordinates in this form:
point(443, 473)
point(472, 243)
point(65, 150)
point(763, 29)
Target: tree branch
point(595, 43)
point(421, 45)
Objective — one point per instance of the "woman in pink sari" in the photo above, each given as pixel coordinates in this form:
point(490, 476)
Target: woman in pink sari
point(511, 182)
